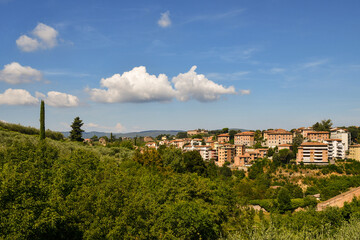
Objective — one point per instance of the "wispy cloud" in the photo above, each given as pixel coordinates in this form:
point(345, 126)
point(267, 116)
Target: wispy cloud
point(314, 63)
point(227, 76)
point(64, 73)
point(97, 127)
point(245, 92)
point(214, 17)
point(277, 70)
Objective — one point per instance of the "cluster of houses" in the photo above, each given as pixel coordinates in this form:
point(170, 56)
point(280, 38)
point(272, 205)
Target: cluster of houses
point(318, 147)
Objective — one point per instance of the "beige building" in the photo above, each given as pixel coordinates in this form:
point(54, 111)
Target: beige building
point(226, 153)
point(245, 138)
point(318, 136)
point(223, 138)
point(304, 131)
point(313, 153)
point(354, 152)
point(276, 137)
point(284, 146)
point(343, 134)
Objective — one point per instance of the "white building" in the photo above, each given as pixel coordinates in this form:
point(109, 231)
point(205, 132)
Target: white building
point(336, 149)
point(345, 136)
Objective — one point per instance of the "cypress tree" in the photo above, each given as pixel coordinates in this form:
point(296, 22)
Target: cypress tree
point(42, 120)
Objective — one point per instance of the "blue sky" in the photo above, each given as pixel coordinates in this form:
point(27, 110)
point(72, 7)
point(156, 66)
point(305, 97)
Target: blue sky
point(129, 65)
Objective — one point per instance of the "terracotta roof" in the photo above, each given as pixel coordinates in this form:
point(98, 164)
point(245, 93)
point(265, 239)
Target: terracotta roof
point(313, 144)
point(318, 132)
point(278, 131)
point(330, 140)
point(224, 135)
point(245, 134)
point(284, 145)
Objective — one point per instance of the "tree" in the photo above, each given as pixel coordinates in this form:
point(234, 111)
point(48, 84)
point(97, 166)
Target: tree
point(324, 125)
point(297, 141)
point(284, 200)
point(181, 135)
point(42, 120)
point(76, 132)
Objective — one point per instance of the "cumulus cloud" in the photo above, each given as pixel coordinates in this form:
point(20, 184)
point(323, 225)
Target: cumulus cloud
point(58, 99)
point(245, 92)
point(191, 85)
point(14, 73)
point(134, 86)
point(164, 20)
point(43, 37)
point(17, 97)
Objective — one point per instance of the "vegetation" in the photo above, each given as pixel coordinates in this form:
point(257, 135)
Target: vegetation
point(71, 190)
point(76, 132)
point(324, 125)
point(42, 120)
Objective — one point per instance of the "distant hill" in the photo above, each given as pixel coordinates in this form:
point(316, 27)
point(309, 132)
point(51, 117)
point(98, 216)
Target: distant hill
point(150, 133)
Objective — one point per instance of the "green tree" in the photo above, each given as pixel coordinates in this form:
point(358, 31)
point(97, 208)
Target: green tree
point(76, 132)
point(324, 125)
point(284, 200)
point(297, 141)
point(42, 120)
point(181, 135)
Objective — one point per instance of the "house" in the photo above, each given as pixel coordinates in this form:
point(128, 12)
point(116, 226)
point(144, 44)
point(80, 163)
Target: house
point(196, 132)
point(245, 138)
point(313, 153)
point(284, 146)
point(148, 139)
point(151, 145)
point(179, 143)
point(354, 152)
point(205, 151)
point(276, 137)
point(223, 138)
point(102, 141)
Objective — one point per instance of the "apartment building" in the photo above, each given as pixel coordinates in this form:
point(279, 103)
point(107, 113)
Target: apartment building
point(313, 153)
point(276, 137)
point(245, 138)
point(336, 149)
point(318, 136)
point(304, 131)
point(226, 153)
point(205, 151)
point(354, 152)
point(179, 143)
point(344, 135)
point(151, 145)
point(250, 155)
point(239, 150)
point(223, 138)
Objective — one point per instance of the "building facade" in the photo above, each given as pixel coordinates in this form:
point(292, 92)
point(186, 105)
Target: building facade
point(245, 138)
point(342, 134)
point(336, 149)
point(354, 152)
point(276, 137)
point(313, 153)
point(318, 136)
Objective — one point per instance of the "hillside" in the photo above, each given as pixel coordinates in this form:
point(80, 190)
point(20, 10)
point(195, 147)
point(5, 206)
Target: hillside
point(150, 133)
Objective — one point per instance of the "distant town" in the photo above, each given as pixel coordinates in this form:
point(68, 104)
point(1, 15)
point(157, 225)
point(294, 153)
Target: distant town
point(238, 150)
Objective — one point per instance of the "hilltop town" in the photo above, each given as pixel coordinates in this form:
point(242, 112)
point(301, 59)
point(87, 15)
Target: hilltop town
point(238, 150)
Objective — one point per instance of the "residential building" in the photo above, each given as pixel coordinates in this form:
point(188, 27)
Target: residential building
point(343, 134)
point(317, 136)
point(205, 151)
point(239, 150)
point(354, 152)
point(179, 143)
point(148, 139)
point(151, 145)
point(304, 131)
point(336, 149)
point(276, 137)
point(223, 138)
point(284, 146)
point(313, 153)
point(197, 131)
point(245, 138)
point(226, 153)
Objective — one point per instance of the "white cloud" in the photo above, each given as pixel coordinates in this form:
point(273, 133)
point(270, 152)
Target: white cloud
point(14, 73)
point(314, 64)
point(227, 76)
point(44, 37)
point(58, 99)
point(164, 20)
point(191, 85)
point(277, 70)
point(17, 97)
point(245, 92)
point(134, 86)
